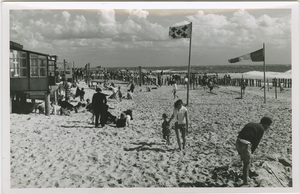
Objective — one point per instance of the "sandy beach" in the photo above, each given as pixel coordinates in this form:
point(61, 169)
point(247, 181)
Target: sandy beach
point(69, 152)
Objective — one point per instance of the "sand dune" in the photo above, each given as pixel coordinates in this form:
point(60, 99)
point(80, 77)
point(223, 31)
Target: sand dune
point(68, 152)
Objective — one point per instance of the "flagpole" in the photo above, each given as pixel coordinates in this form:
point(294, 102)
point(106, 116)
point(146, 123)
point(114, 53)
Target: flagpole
point(264, 73)
point(189, 67)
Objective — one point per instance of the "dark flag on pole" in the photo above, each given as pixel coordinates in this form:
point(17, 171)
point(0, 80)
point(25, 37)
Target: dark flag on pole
point(183, 31)
point(255, 56)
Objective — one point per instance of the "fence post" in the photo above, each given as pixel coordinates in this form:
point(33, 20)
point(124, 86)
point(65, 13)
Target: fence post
point(285, 83)
point(140, 70)
point(275, 81)
point(47, 103)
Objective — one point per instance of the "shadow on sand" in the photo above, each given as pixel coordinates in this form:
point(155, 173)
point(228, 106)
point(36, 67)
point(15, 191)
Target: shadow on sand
point(77, 126)
point(144, 146)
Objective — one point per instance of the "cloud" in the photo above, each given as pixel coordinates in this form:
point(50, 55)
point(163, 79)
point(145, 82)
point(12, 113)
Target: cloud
point(106, 17)
point(105, 28)
point(213, 20)
point(265, 21)
point(137, 13)
point(137, 28)
point(106, 23)
point(79, 25)
point(239, 29)
point(66, 15)
point(244, 20)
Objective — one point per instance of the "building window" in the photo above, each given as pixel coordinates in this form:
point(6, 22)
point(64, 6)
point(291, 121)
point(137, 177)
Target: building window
point(51, 68)
point(18, 64)
point(38, 65)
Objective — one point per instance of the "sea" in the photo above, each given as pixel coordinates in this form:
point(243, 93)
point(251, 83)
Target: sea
point(234, 70)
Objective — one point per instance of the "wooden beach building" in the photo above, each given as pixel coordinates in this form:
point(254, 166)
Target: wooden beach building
point(32, 76)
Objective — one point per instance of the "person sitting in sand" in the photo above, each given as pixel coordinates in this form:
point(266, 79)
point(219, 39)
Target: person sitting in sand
point(132, 86)
point(107, 117)
point(39, 106)
point(114, 95)
point(166, 129)
point(129, 95)
point(65, 105)
point(129, 116)
point(124, 119)
point(180, 113)
point(80, 107)
point(55, 109)
point(121, 122)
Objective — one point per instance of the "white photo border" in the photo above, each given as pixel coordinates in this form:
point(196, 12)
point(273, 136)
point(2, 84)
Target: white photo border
point(5, 99)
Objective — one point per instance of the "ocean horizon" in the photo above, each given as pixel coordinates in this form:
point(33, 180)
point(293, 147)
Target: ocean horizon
point(228, 68)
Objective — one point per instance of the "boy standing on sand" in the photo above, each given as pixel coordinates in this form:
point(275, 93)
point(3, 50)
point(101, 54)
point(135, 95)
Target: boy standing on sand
point(181, 122)
point(174, 89)
point(248, 140)
point(166, 129)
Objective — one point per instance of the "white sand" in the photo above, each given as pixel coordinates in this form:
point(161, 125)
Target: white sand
point(68, 152)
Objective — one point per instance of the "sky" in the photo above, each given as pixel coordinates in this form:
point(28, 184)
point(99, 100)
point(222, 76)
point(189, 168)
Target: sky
point(140, 37)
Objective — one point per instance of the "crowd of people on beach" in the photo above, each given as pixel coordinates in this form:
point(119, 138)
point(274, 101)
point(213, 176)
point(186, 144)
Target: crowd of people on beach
point(247, 139)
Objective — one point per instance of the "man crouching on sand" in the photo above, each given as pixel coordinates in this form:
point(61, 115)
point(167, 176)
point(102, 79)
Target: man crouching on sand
point(180, 113)
point(248, 140)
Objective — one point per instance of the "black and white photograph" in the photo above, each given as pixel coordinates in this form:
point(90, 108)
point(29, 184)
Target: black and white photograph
point(150, 97)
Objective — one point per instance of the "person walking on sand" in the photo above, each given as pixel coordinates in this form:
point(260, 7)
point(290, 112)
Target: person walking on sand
point(281, 86)
point(174, 89)
point(120, 95)
point(244, 85)
point(186, 81)
point(248, 140)
point(180, 114)
point(166, 129)
point(99, 102)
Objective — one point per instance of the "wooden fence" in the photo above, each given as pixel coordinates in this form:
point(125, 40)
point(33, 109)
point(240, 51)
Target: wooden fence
point(287, 83)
